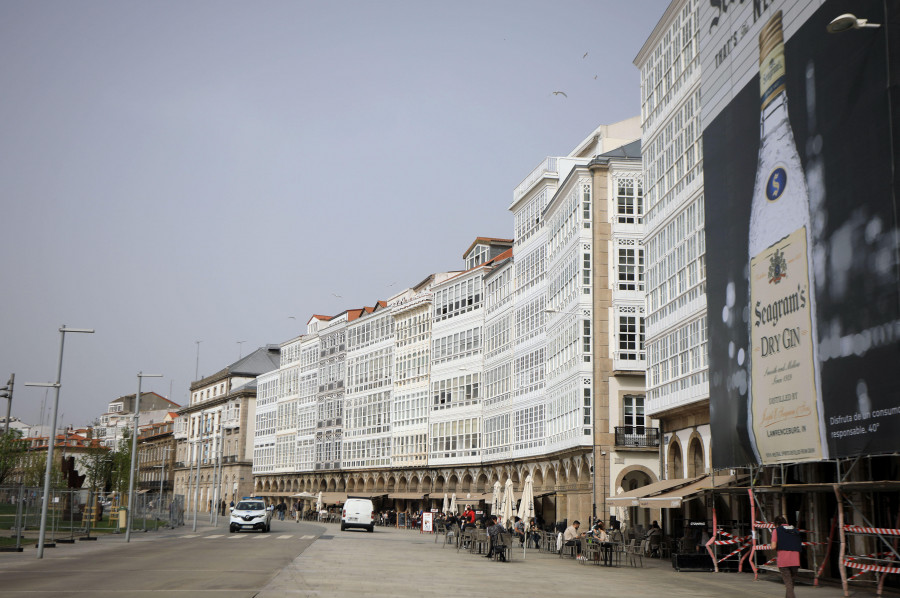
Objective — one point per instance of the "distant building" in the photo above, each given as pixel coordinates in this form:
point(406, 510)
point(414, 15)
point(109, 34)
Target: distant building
point(215, 431)
point(110, 427)
point(15, 424)
point(156, 457)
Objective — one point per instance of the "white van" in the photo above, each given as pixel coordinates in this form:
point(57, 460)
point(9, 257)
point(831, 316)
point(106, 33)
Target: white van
point(358, 512)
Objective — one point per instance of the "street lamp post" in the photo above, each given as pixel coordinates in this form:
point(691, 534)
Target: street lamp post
point(134, 435)
point(52, 433)
point(199, 461)
point(7, 391)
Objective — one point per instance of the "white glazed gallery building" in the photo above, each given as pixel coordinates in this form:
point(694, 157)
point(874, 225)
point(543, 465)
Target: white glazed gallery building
point(677, 368)
point(530, 361)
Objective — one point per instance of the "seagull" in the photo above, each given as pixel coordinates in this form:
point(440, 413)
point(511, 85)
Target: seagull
point(595, 77)
point(291, 318)
point(338, 296)
point(560, 93)
point(585, 56)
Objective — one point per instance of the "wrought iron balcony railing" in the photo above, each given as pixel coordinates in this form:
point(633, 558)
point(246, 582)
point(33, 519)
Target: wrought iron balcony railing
point(637, 436)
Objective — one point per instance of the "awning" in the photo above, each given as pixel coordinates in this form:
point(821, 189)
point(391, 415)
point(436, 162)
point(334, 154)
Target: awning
point(673, 498)
point(333, 498)
point(407, 495)
point(632, 497)
point(544, 494)
point(473, 497)
point(306, 495)
point(365, 494)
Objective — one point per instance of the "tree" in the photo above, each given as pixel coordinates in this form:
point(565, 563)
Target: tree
point(121, 464)
point(12, 452)
point(97, 463)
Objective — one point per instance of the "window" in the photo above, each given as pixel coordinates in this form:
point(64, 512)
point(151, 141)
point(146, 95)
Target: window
point(633, 413)
point(631, 338)
point(631, 269)
point(629, 201)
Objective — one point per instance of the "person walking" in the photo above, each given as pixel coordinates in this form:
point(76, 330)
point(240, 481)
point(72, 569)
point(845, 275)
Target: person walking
point(787, 543)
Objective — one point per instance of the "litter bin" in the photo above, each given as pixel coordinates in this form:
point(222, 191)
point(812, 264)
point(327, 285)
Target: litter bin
point(123, 517)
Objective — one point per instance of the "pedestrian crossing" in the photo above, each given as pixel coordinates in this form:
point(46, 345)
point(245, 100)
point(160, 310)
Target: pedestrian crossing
point(257, 536)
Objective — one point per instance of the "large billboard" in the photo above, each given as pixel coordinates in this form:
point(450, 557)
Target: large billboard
point(801, 232)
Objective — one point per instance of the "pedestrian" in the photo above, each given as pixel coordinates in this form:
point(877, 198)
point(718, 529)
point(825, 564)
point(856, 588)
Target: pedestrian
point(787, 543)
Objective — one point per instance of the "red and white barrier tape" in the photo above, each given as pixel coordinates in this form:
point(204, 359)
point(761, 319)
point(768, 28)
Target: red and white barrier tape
point(850, 561)
point(858, 529)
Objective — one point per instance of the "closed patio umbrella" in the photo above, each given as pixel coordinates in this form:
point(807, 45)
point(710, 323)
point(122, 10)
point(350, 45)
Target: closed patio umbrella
point(495, 499)
point(446, 505)
point(453, 503)
point(506, 507)
point(526, 507)
point(319, 504)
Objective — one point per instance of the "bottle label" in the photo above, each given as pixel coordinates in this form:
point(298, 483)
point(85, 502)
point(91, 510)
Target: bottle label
point(771, 76)
point(784, 405)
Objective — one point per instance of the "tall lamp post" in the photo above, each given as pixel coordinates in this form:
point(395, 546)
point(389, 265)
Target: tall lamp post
point(134, 435)
point(7, 393)
point(52, 434)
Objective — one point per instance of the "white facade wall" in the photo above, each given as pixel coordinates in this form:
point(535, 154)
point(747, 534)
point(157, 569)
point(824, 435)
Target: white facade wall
point(570, 287)
point(411, 380)
point(677, 373)
point(267, 392)
point(498, 362)
point(456, 370)
point(367, 404)
point(331, 389)
point(307, 409)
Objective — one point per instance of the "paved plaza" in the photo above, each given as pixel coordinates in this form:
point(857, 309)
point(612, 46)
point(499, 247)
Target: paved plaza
point(319, 560)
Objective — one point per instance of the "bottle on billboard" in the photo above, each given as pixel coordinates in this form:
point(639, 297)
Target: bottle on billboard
point(785, 399)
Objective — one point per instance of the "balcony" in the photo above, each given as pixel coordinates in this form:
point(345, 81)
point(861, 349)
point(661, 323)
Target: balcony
point(547, 166)
point(637, 437)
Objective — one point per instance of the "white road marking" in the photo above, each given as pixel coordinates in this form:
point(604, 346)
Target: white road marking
point(191, 536)
point(307, 537)
point(286, 537)
point(214, 536)
point(236, 536)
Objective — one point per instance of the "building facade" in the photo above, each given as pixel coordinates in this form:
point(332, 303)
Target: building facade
point(110, 427)
point(214, 434)
point(674, 239)
point(528, 362)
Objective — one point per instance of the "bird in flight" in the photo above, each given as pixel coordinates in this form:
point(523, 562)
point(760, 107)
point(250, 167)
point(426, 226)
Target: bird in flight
point(585, 56)
point(560, 93)
point(338, 296)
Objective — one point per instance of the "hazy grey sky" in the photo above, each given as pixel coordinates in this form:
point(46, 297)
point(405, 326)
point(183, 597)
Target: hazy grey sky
point(203, 170)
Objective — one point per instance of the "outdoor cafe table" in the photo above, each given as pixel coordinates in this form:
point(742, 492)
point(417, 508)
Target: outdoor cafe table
point(608, 550)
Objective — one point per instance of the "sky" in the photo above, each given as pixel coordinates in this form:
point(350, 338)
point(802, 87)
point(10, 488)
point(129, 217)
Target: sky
point(220, 171)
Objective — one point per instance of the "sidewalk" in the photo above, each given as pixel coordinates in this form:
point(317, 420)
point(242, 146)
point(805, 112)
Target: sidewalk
point(394, 562)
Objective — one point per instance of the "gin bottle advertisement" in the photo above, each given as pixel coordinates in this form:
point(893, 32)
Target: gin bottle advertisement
point(803, 292)
point(784, 369)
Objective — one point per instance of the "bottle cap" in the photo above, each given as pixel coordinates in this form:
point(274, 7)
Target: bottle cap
point(770, 36)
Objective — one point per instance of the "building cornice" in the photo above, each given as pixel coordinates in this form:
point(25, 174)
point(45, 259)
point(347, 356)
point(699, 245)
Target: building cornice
point(656, 35)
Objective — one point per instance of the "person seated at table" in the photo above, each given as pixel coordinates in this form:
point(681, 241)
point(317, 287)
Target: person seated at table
point(494, 539)
point(535, 534)
point(599, 533)
point(571, 537)
point(654, 534)
point(518, 530)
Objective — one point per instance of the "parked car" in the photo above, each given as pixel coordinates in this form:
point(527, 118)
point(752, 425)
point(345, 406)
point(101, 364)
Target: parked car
point(358, 512)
